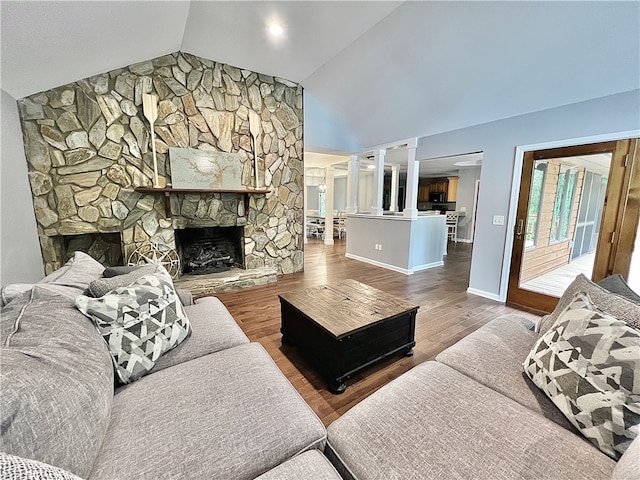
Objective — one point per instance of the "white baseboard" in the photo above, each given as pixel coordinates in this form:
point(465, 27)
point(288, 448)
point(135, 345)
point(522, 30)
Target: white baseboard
point(482, 293)
point(378, 264)
point(464, 240)
point(426, 266)
point(393, 267)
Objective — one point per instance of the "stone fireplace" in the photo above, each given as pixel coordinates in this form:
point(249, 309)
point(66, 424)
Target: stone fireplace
point(88, 148)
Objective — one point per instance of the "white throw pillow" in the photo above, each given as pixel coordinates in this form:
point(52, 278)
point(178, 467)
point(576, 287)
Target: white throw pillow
point(587, 364)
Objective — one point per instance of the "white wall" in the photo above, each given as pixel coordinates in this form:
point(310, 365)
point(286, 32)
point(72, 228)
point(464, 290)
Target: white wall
point(340, 193)
point(466, 188)
point(498, 140)
point(365, 191)
point(20, 258)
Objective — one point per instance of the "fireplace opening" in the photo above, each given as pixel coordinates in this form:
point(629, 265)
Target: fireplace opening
point(210, 249)
point(106, 248)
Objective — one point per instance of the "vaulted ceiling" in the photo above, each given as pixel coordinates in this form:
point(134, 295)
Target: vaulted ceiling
point(383, 70)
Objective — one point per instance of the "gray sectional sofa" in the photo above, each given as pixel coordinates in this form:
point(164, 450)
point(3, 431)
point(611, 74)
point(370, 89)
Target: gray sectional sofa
point(214, 407)
point(217, 407)
point(472, 414)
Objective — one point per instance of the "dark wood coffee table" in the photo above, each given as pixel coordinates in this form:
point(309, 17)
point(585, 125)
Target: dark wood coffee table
point(345, 327)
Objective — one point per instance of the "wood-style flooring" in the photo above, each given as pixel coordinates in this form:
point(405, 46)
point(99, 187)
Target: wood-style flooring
point(447, 313)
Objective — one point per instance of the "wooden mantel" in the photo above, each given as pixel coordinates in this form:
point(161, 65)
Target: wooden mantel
point(168, 191)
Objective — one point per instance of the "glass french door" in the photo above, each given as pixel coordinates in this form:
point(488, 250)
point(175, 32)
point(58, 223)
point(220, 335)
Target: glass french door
point(577, 214)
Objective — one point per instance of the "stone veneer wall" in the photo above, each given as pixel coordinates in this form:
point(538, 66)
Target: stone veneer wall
point(88, 147)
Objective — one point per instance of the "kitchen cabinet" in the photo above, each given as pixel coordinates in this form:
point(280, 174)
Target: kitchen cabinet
point(423, 192)
point(448, 186)
point(452, 190)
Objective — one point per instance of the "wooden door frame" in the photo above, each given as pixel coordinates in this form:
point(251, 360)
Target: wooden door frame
point(515, 190)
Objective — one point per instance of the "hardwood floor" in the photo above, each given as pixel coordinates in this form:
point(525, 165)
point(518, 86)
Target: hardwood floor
point(447, 314)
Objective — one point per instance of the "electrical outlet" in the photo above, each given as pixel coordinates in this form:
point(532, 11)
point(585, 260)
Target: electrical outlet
point(498, 219)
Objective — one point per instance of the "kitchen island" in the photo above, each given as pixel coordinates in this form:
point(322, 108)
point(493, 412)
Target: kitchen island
point(399, 243)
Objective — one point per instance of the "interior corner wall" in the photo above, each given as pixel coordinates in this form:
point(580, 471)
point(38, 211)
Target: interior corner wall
point(322, 132)
point(466, 189)
point(20, 258)
point(498, 141)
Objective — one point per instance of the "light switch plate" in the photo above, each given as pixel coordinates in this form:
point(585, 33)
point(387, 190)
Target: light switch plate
point(498, 219)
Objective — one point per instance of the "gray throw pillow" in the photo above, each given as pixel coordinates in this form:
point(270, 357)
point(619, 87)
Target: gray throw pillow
point(101, 286)
point(587, 364)
point(139, 322)
point(119, 270)
point(610, 303)
point(617, 284)
point(17, 468)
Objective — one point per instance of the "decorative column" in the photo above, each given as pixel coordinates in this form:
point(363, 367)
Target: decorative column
point(352, 184)
point(411, 192)
point(378, 182)
point(305, 231)
point(328, 206)
point(395, 184)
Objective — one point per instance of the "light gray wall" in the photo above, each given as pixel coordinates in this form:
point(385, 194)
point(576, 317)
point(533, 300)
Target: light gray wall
point(20, 258)
point(394, 236)
point(466, 188)
point(407, 245)
point(498, 140)
point(321, 131)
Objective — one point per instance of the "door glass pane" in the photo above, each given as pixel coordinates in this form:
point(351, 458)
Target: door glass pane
point(565, 208)
point(535, 201)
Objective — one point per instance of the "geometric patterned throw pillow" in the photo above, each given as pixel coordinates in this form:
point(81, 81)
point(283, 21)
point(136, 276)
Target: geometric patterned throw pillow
point(588, 364)
point(139, 322)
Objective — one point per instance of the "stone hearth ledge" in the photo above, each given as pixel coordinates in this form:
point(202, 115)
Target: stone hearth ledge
point(234, 279)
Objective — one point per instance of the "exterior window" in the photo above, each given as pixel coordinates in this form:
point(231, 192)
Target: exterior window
point(567, 180)
point(323, 198)
point(535, 203)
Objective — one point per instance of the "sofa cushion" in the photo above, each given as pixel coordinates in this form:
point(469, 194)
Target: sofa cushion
point(616, 305)
point(139, 322)
point(311, 465)
point(493, 356)
point(70, 280)
point(587, 364)
point(434, 422)
point(228, 415)
point(17, 468)
point(618, 285)
point(82, 270)
point(213, 329)
point(56, 382)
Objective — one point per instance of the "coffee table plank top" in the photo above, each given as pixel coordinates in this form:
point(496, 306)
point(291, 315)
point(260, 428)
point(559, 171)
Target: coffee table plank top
point(346, 307)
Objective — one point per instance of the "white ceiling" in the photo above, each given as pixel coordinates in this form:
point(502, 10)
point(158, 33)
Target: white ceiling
point(384, 70)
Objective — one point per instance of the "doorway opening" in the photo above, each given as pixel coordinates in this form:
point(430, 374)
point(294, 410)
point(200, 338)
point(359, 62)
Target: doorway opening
point(575, 207)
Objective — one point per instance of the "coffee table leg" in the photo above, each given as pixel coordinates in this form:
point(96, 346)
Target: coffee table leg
point(337, 387)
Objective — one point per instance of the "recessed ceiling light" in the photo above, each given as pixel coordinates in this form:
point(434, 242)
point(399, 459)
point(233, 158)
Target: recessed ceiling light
point(275, 29)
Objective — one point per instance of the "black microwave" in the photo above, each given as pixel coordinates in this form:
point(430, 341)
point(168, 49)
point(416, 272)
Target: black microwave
point(438, 197)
